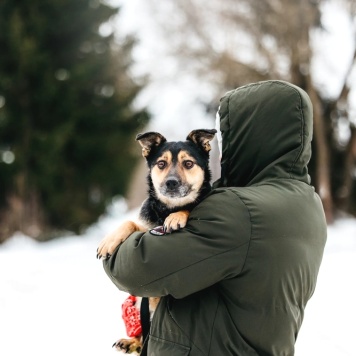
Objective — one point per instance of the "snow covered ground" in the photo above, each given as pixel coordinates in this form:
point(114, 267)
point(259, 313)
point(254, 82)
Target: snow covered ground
point(55, 298)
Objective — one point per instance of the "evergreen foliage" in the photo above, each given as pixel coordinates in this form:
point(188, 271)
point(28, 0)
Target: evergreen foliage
point(66, 122)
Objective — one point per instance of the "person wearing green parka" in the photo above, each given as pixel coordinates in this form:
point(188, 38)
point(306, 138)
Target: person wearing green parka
point(236, 280)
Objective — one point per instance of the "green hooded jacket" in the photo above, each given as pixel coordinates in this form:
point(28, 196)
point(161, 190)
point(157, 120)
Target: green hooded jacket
point(237, 279)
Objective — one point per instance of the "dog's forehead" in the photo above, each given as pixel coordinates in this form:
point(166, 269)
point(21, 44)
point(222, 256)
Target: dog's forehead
point(176, 148)
point(165, 155)
point(179, 150)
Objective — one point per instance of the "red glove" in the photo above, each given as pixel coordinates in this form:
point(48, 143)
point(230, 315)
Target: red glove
point(131, 316)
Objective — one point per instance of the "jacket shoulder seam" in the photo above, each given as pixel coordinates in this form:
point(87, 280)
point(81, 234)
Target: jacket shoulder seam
point(251, 230)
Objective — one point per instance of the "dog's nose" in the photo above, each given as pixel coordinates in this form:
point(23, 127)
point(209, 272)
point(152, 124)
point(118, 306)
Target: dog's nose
point(172, 183)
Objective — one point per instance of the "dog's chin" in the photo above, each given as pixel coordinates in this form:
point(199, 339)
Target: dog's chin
point(178, 198)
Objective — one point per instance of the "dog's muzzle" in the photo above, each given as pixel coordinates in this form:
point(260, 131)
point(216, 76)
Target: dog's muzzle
point(173, 188)
point(172, 184)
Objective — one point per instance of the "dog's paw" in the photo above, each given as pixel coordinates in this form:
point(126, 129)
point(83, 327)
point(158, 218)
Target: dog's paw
point(108, 245)
point(176, 221)
point(128, 346)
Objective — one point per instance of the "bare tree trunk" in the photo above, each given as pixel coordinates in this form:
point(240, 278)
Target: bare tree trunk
point(350, 164)
point(301, 55)
point(323, 180)
point(23, 213)
point(344, 192)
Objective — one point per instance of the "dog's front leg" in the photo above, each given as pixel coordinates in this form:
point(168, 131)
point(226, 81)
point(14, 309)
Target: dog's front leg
point(176, 221)
point(108, 245)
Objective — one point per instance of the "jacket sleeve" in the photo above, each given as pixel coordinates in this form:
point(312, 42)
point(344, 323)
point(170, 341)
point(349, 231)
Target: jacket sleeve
point(211, 248)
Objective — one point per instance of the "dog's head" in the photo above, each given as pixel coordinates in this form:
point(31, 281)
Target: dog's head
point(178, 170)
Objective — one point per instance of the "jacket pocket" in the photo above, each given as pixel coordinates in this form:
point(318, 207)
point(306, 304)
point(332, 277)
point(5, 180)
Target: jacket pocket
point(161, 347)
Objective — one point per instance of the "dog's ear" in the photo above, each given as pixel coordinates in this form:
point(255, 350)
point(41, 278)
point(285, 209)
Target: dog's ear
point(202, 138)
point(148, 140)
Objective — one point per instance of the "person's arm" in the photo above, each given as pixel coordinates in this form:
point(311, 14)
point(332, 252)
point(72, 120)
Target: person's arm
point(211, 248)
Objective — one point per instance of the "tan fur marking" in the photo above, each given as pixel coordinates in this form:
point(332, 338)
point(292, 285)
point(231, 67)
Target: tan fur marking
point(145, 151)
point(207, 146)
point(166, 156)
point(176, 221)
point(193, 176)
point(158, 175)
point(108, 245)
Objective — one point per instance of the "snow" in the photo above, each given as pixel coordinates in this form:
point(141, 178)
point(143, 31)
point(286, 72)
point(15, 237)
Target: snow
point(329, 324)
point(56, 298)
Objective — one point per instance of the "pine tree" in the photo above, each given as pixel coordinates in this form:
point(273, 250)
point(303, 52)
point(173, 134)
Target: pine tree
point(66, 120)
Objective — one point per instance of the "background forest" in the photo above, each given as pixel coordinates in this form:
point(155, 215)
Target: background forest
point(66, 121)
point(76, 86)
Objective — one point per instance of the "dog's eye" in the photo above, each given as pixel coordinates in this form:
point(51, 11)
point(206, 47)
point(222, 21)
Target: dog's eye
point(161, 164)
point(188, 164)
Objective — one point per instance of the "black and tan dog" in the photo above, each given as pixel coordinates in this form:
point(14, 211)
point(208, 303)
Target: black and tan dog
point(178, 179)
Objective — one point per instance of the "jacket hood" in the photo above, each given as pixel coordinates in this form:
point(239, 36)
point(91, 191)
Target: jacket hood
point(266, 134)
